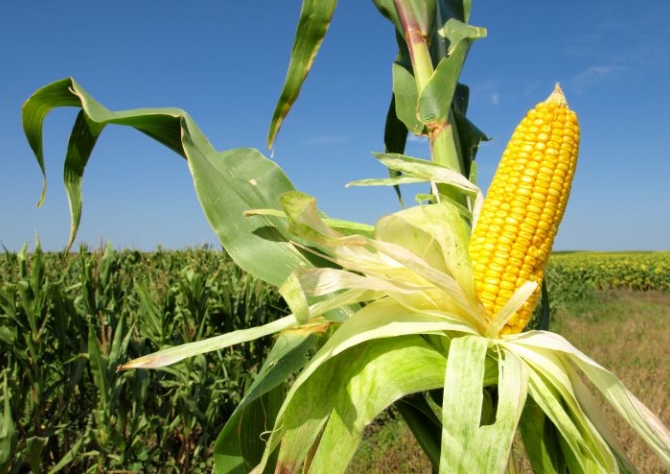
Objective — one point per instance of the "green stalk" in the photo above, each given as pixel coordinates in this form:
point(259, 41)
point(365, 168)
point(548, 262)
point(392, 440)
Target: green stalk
point(417, 43)
point(441, 135)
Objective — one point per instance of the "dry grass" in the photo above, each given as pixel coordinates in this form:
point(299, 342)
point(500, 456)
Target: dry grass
point(627, 332)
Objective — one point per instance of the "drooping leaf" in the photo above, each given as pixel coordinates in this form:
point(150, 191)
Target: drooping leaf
point(463, 434)
point(227, 183)
point(639, 417)
point(385, 370)
point(314, 22)
point(551, 388)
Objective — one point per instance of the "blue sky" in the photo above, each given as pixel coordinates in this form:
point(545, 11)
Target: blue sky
point(224, 63)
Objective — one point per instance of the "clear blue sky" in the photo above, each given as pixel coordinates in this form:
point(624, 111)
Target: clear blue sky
point(224, 62)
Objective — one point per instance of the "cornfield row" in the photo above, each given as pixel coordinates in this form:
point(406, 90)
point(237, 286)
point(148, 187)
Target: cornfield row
point(66, 323)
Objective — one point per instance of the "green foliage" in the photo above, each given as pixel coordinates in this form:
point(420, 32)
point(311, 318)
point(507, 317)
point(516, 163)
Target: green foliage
point(613, 270)
point(576, 276)
point(67, 323)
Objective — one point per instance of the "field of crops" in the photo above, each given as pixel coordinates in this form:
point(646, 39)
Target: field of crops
point(66, 323)
point(631, 270)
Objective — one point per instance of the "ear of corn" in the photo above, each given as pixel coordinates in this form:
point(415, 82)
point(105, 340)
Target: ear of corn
point(512, 239)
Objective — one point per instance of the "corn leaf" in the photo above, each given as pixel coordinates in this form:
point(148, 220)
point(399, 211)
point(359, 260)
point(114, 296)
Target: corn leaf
point(176, 354)
point(395, 139)
point(384, 371)
point(551, 387)
point(463, 435)
point(406, 99)
point(437, 233)
point(540, 440)
point(435, 99)
point(388, 9)
point(8, 433)
point(256, 413)
point(378, 320)
point(327, 414)
point(459, 9)
point(647, 425)
point(314, 22)
point(227, 183)
point(423, 170)
point(424, 424)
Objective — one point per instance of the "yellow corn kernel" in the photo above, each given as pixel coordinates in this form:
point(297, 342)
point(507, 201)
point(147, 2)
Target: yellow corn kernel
point(526, 202)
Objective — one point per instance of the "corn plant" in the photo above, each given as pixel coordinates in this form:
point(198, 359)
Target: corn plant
point(63, 404)
point(412, 310)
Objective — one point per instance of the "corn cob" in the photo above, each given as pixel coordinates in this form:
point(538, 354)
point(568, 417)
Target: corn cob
point(512, 239)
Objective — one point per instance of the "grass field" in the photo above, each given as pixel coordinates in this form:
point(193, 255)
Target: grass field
point(626, 331)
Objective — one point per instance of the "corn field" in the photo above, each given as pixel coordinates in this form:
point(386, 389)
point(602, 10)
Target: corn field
point(614, 270)
point(67, 322)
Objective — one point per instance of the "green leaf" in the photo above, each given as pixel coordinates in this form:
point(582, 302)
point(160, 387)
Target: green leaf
point(469, 137)
point(384, 371)
point(227, 183)
point(98, 368)
point(256, 413)
point(240, 444)
point(8, 433)
point(458, 9)
point(315, 18)
point(463, 434)
point(345, 394)
point(540, 439)
point(395, 139)
point(232, 182)
point(638, 416)
point(406, 99)
point(71, 456)
point(82, 140)
point(175, 354)
point(436, 98)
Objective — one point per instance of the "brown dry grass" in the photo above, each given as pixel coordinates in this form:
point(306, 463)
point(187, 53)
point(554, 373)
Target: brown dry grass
point(627, 332)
